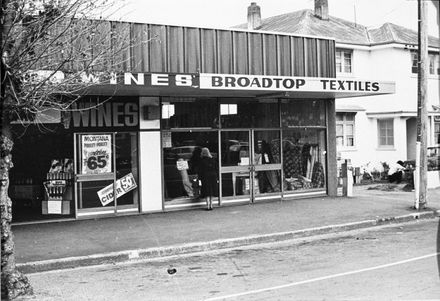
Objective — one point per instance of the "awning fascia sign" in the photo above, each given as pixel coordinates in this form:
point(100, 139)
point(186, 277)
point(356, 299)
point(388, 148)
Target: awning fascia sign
point(338, 86)
point(145, 83)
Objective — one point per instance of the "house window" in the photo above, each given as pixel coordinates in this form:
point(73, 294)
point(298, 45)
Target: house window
point(343, 60)
point(437, 132)
point(345, 129)
point(434, 64)
point(385, 132)
point(433, 60)
point(414, 66)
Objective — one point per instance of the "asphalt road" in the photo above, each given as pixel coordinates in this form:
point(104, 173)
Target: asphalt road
point(398, 262)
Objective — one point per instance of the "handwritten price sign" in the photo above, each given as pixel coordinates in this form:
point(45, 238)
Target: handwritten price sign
point(96, 154)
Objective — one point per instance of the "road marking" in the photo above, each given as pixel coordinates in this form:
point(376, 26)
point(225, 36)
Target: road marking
point(321, 278)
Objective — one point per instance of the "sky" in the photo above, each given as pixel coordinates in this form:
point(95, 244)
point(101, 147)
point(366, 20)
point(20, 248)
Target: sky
point(227, 13)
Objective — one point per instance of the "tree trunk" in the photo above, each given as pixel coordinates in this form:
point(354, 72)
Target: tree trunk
point(13, 282)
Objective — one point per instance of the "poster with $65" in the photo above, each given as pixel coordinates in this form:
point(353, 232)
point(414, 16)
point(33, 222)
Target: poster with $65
point(96, 154)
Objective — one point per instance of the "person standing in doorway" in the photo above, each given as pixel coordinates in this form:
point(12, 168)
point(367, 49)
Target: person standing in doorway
point(208, 176)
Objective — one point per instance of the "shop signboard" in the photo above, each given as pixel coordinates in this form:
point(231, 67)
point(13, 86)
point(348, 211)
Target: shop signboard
point(256, 82)
point(96, 154)
point(128, 113)
point(286, 83)
point(123, 185)
point(92, 114)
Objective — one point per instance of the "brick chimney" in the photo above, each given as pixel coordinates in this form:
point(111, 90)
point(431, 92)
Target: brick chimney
point(254, 16)
point(321, 9)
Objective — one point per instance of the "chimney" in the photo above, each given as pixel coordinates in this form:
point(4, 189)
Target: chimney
point(254, 16)
point(321, 9)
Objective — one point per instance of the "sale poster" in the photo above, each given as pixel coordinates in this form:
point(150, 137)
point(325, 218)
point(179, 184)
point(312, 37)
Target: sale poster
point(123, 185)
point(96, 154)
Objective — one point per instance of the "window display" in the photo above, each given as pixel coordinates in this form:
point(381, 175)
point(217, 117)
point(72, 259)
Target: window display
point(41, 180)
point(303, 159)
point(58, 188)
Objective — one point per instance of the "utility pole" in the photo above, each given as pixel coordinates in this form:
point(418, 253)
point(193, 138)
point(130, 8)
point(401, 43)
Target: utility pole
point(422, 109)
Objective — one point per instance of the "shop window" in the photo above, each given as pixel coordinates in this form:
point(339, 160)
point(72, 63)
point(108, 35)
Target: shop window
point(345, 129)
point(344, 60)
point(302, 113)
point(247, 113)
point(43, 169)
point(385, 132)
point(181, 154)
point(187, 112)
point(303, 159)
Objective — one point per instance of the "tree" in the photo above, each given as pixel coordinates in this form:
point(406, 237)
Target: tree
point(48, 48)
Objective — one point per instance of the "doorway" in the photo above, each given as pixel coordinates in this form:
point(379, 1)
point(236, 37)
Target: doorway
point(106, 173)
point(250, 165)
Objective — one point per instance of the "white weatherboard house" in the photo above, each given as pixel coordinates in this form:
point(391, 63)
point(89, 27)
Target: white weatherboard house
point(375, 129)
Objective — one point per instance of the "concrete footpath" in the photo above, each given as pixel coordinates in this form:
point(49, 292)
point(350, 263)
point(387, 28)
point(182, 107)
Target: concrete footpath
point(49, 246)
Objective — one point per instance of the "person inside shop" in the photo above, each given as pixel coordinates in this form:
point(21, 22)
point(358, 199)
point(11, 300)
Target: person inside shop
point(208, 176)
point(182, 167)
point(395, 173)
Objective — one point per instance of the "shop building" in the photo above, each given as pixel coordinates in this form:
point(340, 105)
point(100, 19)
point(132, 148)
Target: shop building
point(262, 102)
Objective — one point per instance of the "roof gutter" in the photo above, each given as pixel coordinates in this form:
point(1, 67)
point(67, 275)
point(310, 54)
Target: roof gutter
point(380, 46)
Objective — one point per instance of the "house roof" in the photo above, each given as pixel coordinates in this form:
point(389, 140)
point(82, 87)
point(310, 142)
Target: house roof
point(305, 22)
point(390, 32)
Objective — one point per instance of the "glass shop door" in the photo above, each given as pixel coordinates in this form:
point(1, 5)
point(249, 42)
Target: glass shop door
point(235, 167)
point(250, 165)
point(266, 169)
point(100, 175)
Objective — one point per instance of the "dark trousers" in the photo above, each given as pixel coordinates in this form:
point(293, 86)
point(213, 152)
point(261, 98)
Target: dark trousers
point(396, 177)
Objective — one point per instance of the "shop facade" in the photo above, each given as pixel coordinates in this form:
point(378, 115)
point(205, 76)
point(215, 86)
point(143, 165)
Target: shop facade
point(262, 103)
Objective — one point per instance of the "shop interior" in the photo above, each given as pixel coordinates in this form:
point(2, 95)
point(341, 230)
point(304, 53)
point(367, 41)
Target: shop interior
point(43, 171)
point(267, 146)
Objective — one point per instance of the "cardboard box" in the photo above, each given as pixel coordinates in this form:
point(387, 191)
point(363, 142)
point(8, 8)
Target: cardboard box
point(55, 206)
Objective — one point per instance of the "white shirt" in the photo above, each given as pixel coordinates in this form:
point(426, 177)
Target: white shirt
point(395, 167)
